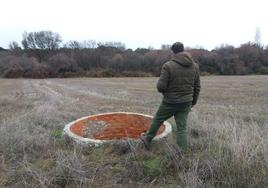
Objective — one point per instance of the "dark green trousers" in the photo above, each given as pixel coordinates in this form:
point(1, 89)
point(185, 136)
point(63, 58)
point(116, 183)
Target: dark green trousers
point(165, 111)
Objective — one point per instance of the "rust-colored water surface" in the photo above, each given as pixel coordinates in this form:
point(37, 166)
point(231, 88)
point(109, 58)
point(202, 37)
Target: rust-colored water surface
point(113, 126)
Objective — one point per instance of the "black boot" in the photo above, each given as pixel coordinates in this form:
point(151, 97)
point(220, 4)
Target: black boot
point(145, 141)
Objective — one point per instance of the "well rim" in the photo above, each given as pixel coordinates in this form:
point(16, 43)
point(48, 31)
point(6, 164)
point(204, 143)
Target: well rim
point(97, 142)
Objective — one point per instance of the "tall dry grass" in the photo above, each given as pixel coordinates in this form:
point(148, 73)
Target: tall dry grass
point(227, 135)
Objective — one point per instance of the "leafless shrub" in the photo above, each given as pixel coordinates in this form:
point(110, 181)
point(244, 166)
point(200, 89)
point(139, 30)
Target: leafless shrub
point(14, 67)
point(61, 64)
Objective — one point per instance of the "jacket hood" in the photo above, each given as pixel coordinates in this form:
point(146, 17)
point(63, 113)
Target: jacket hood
point(184, 59)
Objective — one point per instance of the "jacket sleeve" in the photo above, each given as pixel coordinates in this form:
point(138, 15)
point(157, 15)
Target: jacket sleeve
point(197, 85)
point(162, 83)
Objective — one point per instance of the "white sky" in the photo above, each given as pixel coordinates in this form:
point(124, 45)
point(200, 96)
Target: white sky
point(138, 23)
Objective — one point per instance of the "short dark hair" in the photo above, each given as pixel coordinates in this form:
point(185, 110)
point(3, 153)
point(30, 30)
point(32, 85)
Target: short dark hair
point(177, 47)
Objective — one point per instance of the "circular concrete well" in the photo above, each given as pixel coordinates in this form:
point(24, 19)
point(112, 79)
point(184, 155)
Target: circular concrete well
point(104, 128)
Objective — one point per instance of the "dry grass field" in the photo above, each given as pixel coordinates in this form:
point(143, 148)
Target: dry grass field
point(228, 135)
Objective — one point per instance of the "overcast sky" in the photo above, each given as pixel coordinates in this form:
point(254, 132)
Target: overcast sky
point(138, 23)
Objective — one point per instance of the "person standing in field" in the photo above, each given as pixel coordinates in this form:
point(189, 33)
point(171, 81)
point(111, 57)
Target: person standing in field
point(179, 83)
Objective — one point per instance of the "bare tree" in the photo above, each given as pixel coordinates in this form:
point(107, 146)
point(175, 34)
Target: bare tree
point(41, 40)
point(150, 47)
point(14, 46)
point(73, 44)
point(90, 44)
point(165, 46)
point(118, 45)
point(258, 36)
point(28, 41)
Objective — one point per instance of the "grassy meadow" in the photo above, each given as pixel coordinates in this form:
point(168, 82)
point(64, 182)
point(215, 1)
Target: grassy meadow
point(228, 135)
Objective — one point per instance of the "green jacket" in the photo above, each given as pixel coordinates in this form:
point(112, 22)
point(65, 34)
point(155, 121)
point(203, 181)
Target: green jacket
point(179, 80)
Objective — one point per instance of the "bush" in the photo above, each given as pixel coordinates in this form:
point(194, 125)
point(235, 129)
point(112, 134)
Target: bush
point(61, 64)
point(14, 67)
point(111, 60)
point(262, 70)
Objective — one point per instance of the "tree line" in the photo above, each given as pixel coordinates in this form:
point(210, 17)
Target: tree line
point(43, 55)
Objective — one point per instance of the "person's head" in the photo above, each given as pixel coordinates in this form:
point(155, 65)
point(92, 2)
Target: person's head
point(177, 47)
